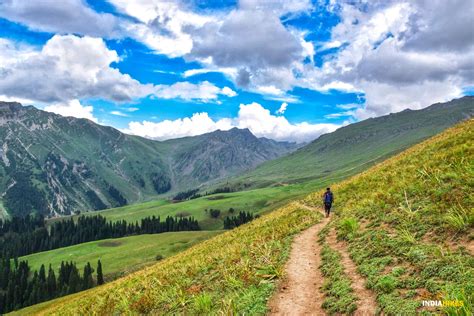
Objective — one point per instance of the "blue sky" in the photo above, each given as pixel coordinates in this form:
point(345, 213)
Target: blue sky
point(288, 70)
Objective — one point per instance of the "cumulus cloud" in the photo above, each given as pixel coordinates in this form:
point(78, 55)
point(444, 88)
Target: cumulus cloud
point(399, 54)
point(279, 7)
point(282, 108)
point(252, 38)
point(73, 108)
point(68, 67)
point(252, 116)
point(440, 26)
point(162, 25)
point(383, 98)
point(204, 91)
point(249, 44)
point(67, 16)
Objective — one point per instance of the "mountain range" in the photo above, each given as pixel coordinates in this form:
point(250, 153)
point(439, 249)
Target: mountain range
point(58, 165)
point(355, 147)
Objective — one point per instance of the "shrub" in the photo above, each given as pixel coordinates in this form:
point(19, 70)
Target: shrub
point(386, 284)
point(458, 219)
point(203, 303)
point(347, 228)
point(214, 213)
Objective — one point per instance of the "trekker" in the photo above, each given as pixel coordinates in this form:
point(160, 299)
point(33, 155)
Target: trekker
point(328, 198)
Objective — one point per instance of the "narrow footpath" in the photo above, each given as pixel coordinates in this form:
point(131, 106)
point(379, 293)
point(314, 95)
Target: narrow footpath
point(299, 293)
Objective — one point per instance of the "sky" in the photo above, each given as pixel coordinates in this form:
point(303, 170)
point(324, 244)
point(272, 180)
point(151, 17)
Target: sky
point(287, 70)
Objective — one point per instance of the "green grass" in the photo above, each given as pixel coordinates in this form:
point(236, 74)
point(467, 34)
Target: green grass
point(121, 255)
point(356, 147)
point(257, 201)
point(408, 222)
point(339, 295)
point(392, 215)
point(234, 272)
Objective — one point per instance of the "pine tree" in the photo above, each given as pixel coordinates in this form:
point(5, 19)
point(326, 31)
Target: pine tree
point(100, 276)
point(51, 283)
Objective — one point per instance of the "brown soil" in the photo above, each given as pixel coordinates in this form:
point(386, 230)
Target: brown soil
point(299, 293)
point(110, 243)
point(366, 304)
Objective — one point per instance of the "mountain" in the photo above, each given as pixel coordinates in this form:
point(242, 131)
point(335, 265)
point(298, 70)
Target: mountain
point(58, 165)
point(355, 147)
point(408, 241)
point(219, 154)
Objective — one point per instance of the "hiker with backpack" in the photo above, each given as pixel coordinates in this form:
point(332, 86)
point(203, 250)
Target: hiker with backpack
point(328, 198)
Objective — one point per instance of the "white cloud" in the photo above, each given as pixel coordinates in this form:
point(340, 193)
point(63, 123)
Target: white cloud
point(161, 25)
point(401, 55)
point(383, 98)
point(131, 109)
point(68, 67)
point(231, 72)
point(66, 16)
point(119, 113)
point(228, 92)
point(72, 108)
point(252, 116)
point(340, 114)
point(282, 108)
point(204, 91)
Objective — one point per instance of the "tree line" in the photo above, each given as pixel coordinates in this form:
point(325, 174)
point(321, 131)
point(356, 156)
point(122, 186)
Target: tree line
point(21, 287)
point(23, 236)
point(193, 193)
point(235, 221)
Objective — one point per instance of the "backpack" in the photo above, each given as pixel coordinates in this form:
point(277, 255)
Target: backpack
point(328, 197)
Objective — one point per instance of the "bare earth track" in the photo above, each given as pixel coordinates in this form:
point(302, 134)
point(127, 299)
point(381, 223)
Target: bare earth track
point(299, 292)
point(366, 304)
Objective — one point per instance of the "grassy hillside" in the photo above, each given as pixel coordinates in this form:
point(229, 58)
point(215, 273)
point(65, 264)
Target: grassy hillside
point(140, 251)
point(231, 272)
point(258, 201)
point(356, 147)
point(408, 221)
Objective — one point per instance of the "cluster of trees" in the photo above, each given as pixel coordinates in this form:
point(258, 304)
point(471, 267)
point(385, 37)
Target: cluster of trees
point(215, 213)
point(186, 195)
point(24, 197)
point(117, 196)
point(161, 182)
point(20, 286)
point(220, 190)
point(22, 236)
point(193, 193)
point(235, 221)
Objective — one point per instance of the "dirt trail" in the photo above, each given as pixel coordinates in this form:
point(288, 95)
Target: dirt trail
point(299, 293)
point(367, 300)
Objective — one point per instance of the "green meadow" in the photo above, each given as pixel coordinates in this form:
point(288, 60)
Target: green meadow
point(121, 255)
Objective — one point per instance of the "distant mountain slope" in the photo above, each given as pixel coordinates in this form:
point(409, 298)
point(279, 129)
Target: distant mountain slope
point(58, 165)
point(198, 159)
point(355, 147)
